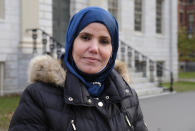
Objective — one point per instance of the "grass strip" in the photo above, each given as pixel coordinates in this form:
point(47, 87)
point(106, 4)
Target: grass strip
point(187, 75)
point(8, 105)
point(182, 86)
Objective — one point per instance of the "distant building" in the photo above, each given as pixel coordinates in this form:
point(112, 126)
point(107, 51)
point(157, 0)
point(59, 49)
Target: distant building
point(147, 26)
point(186, 15)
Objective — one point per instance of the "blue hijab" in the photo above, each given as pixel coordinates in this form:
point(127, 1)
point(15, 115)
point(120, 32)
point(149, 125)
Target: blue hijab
point(94, 82)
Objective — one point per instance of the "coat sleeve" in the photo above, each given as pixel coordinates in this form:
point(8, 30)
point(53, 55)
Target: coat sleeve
point(140, 125)
point(29, 115)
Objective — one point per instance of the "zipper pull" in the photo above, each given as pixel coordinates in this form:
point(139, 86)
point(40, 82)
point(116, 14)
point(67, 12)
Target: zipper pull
point(73, 125)
point(127, 119)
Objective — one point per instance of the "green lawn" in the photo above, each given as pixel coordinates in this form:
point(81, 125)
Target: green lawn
point(187, 75)
point(8, 105)
point(182, 86)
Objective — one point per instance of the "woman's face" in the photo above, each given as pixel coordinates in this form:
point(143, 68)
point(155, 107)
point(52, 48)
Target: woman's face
point(92, 48)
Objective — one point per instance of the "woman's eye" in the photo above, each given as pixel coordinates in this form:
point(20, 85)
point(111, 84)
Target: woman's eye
point(85, 37)
point(104, 41)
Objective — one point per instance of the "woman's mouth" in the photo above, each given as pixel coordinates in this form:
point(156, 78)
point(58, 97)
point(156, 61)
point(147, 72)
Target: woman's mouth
point(91, 59)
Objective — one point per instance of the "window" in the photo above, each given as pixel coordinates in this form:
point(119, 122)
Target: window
point(190, 23)
point(138, 15)
point(190, 1)
point(113, 7)
point(159, 13)
point(2, 12)
point(129, 54)
point(160, 67)
point(181, 18)
point(122, 52)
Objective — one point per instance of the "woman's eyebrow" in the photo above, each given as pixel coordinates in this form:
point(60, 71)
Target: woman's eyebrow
point(90, 34)
point(103, 36)
point(84, 32)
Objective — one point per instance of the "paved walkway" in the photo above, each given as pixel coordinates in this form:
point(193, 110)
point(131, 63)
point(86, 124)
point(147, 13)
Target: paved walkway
point(173, 112)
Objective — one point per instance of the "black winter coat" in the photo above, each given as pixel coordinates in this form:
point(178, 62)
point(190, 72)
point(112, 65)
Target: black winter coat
point(50, 106)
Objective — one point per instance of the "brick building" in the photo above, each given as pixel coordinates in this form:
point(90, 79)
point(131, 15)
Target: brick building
point(186, 15)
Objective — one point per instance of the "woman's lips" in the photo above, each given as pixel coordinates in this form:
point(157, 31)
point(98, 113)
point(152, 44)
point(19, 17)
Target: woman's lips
point(91, 59)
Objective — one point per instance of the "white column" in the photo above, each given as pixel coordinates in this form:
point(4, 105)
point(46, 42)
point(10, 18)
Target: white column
point(34, 14)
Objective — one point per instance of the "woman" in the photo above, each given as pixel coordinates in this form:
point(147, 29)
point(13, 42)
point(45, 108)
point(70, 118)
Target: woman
point(89, 95)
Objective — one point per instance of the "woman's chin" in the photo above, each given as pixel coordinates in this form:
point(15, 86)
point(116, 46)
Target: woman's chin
point(90, 70)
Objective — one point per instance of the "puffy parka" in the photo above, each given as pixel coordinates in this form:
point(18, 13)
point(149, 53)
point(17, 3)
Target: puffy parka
point(57, 101)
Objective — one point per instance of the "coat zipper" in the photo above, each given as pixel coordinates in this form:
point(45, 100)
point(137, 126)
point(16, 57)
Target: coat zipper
point(127, 119)
point(73, 125)
point(128, 122)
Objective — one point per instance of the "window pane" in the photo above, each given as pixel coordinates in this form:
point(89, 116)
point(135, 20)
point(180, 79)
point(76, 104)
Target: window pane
point(181, 18)
point(159, 4)
point(159, 67)
point(113, 7)
point(138, 15)
point(2, 9)
point(191, 1)
point(191, 17)
point(190, 23)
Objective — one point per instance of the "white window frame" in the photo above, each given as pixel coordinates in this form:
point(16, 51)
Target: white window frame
point(159, 16)
point(138, 15)
point(2, 9)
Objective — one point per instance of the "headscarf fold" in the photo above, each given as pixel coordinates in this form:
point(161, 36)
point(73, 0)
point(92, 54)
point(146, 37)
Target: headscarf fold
point(94, 82)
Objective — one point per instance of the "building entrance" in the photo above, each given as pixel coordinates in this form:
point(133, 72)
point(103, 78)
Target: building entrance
point(61, 16)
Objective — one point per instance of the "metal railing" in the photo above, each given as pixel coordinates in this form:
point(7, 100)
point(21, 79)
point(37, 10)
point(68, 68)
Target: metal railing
point(133, 58)
point(139, 62)
point(49, 44)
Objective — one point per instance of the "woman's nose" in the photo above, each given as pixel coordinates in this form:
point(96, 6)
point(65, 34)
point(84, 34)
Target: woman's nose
point(93, 46)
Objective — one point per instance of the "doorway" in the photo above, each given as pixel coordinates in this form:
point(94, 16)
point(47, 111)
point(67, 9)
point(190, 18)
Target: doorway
point(61, 16)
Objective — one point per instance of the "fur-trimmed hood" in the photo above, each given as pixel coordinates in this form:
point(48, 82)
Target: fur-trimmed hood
point(49, 70)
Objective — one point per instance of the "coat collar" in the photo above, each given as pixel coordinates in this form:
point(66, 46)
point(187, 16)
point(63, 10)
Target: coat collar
point(116, 89)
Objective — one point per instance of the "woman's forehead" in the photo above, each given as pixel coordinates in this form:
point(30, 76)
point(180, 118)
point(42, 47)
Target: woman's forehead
point(96, 28)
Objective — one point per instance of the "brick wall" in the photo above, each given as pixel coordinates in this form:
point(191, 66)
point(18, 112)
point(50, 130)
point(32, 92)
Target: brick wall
point(184, 9)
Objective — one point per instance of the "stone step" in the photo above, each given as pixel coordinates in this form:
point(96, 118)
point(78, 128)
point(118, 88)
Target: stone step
point(135, 74)
point(149, 91)
point(139, 80)
point(143, 85)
